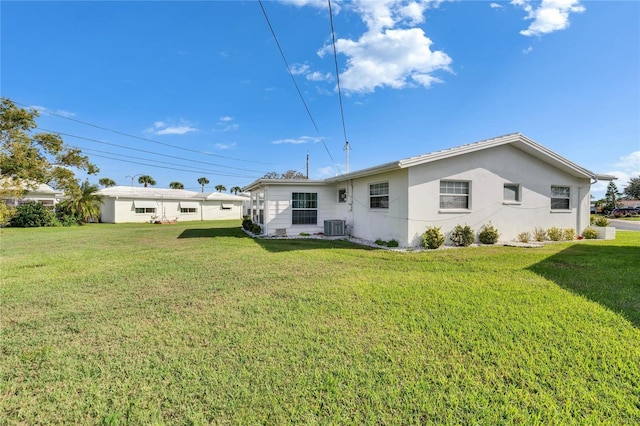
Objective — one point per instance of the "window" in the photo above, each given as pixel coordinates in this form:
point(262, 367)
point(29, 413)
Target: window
point(454, 194)
point(304, 207)
point(379, 195)
point(512, 193)
point(188, 210)
point(342, 195)
point(560, 196)
point(142, 210)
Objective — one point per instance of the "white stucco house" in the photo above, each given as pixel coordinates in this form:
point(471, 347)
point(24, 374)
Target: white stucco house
point(138, 204)
point(511, 181)
point(41, 193)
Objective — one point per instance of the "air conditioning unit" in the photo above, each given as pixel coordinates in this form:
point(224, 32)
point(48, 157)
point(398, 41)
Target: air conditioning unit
point(334, 228)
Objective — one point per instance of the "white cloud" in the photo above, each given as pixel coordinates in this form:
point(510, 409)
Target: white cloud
point(495, 6)
point(392, 58)
point(297, 141)
point(389, 54)
point(527, 50)
point(326, 172)
point(549, 16)
point(223, 146)
point(163, 128)
point(45, 111)
point(226, 124)
point(318, 76)
point(298, 69)
point(627, 167)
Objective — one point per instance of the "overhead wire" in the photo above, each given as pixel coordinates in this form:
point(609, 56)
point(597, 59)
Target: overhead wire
point(335, 60)
point(145, 139)
point(295, 83)
point(148, 152)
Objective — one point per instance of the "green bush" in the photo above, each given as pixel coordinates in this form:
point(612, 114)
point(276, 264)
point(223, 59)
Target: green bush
point(32, 215)
point(590, 234)
point(304, 234)
point(600, 221)
point(569, 234)
point(523, 237)
point(462, 236)
point(64, 218)
point(393, 243)
point(539, 234)
point(488, 234)
point(554, 234)
point(432, 238)
point(256, 229)
point(381, 242)
point(247, 223)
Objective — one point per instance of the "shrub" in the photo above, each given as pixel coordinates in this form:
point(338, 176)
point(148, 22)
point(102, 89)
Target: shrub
point(304, 234)
point(256, 229)
point(488, 234)
point(590, 234)
point(393, 243)
point(600, 221)
point(554, 234)
point(247, 223)
point(32, 215)
point(523, 237)
point(539, 235)
point(381, 242)
point(432, 238)
point(569, 234)
point(462, 236)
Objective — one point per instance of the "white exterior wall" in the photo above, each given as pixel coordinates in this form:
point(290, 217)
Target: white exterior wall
point(371, 224)
point(488, 171)
point(277, 210)
point(122, 210)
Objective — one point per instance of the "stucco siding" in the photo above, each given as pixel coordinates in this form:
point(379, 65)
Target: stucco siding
point(373, 223)
point(278, 209)
point(122, 210)
point(487, 172)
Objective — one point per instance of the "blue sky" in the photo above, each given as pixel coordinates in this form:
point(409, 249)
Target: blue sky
point(179, 90)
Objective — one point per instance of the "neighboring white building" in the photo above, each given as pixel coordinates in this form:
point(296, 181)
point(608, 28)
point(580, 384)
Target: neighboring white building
point(42, 193)
point(138, 204)
point(511, 181)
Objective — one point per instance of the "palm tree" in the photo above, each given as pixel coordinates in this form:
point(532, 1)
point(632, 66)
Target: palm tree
point(236, 189)
point(146, 180)
point(176, 185)
point(107, 182)
point(221, 188)
point(203, 181)
point(83, 202)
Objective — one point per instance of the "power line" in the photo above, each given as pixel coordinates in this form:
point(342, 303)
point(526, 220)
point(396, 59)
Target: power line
point(148, 152)
point(335, 60)
point(295, 83)
point(146, 139)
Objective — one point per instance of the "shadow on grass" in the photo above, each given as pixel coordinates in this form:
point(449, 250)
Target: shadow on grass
point(609, 275)
point(213, 233)
point(278, 245)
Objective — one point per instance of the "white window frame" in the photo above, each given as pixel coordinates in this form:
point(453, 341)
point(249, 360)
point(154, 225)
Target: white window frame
point(518, 193)
point(188, 210)
point(146, 210)
point(379, 195)
point(307, 205)
point(559, 197)
point(455, 192)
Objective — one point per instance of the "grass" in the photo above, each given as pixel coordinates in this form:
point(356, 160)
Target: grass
point(196, 323)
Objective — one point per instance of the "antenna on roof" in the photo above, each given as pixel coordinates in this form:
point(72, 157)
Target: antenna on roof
point(347, 148)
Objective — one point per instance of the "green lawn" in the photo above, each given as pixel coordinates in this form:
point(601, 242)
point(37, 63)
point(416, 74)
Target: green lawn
point(196, 323)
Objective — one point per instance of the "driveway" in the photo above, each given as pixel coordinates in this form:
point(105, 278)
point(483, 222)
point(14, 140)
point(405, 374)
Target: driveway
point(625, 225)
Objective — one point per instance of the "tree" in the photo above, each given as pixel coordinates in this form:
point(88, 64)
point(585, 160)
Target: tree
point(612, 196)
point(28, 159)
point(176, 185)
point(146, 180)
point(293, 174)
point(632, 190)
point(203, 181)
point(83, 203)
point(107, 182)
point(235, 189)
point(289, 174)
point(221, 188)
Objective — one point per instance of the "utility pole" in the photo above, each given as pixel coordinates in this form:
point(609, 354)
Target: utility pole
point(347, 148)
point(307, 165)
